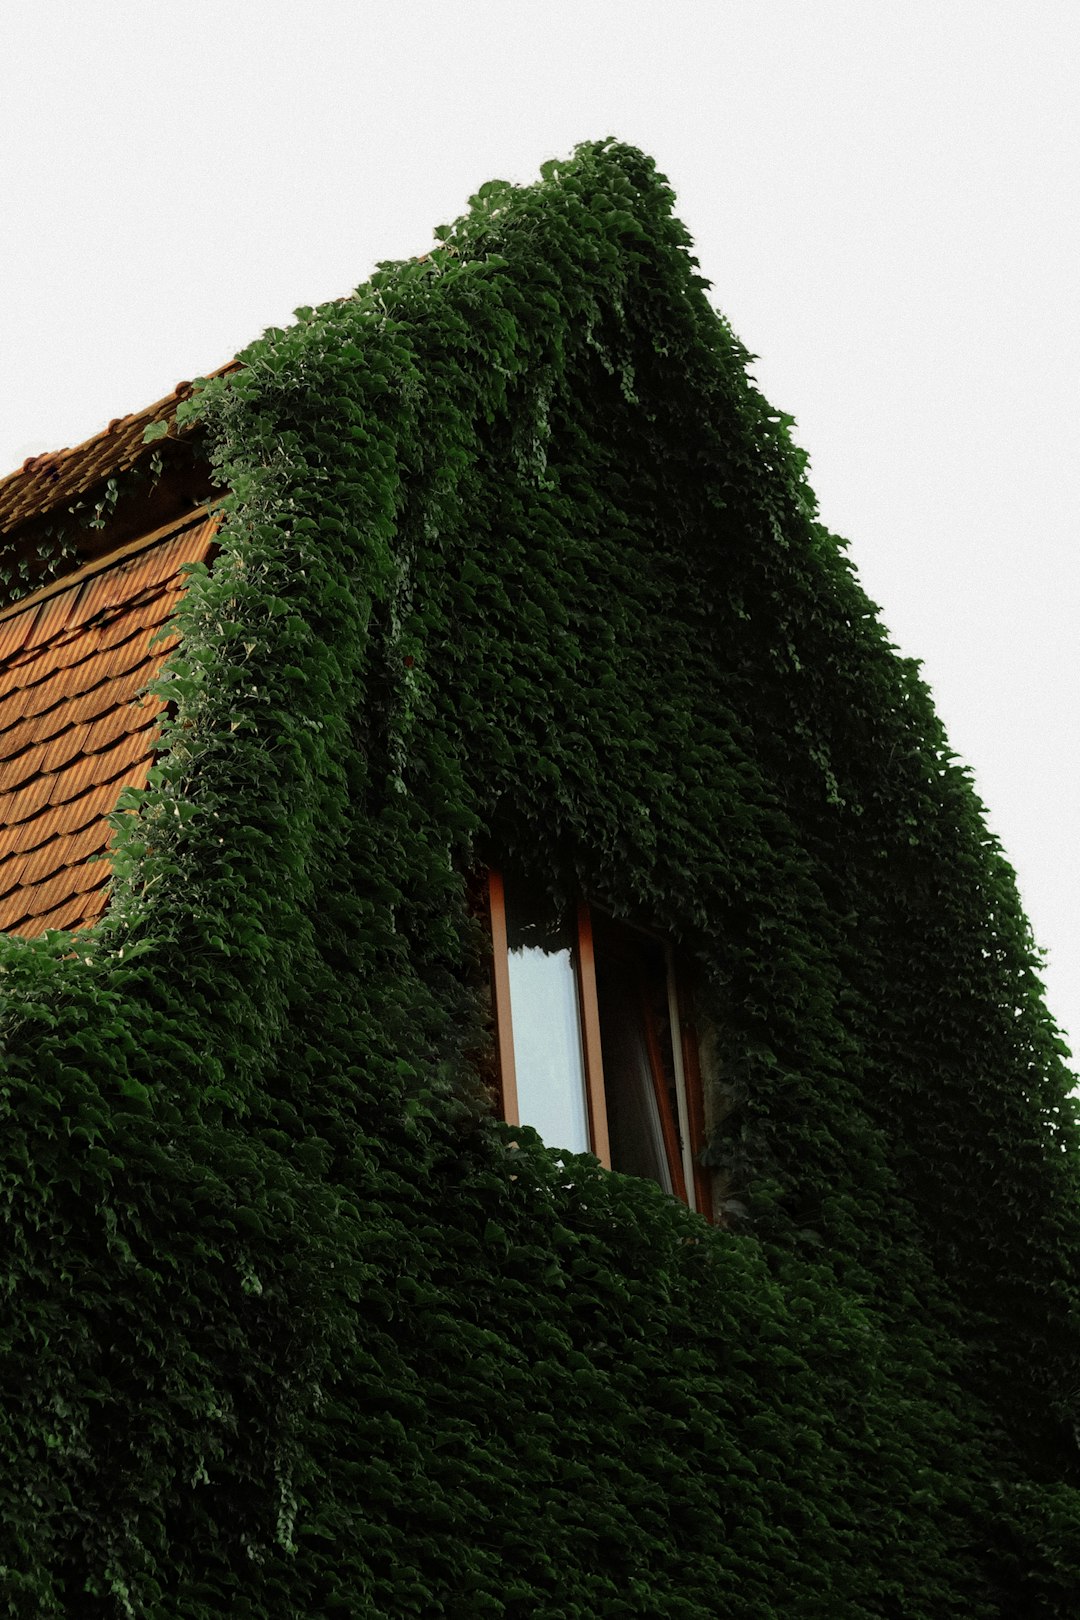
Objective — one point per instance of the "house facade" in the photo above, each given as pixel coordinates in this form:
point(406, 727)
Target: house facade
point(547, 1107)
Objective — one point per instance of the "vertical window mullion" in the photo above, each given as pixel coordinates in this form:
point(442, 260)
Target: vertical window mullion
point(590, 1037)
point(672, 1129)
point(504, 1024)
point(686, 1133)
point(688, 1050)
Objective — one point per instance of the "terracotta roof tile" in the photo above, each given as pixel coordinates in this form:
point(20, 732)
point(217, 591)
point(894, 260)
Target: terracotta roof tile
point(48, 859)
point(63, 886)
point(78, 912)
point(17, 732)
point(85, 810)
point(73, 730)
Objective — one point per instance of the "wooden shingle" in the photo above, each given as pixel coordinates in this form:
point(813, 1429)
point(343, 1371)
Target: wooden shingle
point(76, 726)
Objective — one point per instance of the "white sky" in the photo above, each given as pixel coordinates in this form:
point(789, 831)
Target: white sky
point(883, 194)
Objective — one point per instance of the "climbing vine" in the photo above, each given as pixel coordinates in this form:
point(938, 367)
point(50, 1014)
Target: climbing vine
point(517, 564)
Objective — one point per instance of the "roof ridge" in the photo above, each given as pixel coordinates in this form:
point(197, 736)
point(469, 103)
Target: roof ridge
point(52, 476)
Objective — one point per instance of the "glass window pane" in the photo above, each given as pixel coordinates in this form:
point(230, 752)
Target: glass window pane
point(546, 1022)
point(631, 985)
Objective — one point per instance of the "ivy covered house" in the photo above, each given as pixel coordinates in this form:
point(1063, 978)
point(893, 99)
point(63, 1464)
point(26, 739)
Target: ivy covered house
point(528, 1089)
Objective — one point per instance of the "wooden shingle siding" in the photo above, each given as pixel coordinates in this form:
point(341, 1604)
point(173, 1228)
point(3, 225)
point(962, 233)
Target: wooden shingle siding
point(74, 730)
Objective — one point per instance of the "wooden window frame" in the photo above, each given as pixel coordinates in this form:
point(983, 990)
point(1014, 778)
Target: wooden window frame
point(683, 1132)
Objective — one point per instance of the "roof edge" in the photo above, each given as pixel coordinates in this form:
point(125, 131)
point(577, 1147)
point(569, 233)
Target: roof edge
point(47, 480)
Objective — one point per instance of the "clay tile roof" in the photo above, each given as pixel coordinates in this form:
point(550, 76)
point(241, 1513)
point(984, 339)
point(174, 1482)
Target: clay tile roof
point(48, 480)
point(74, 730)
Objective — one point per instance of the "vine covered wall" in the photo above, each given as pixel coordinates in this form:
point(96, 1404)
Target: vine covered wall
point(517, 565)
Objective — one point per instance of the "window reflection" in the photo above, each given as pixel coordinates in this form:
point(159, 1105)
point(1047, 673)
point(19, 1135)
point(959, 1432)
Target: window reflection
point(588, 1030)
point(635, 1031)
point(546, 1021)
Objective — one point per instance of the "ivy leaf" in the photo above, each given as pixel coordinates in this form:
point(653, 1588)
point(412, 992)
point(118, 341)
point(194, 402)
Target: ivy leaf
point(132, 1088)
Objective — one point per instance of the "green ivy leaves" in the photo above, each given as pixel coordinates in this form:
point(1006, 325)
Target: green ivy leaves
point(517, 564)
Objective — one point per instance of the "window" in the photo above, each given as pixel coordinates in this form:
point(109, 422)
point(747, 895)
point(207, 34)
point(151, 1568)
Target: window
point(592, 1045)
